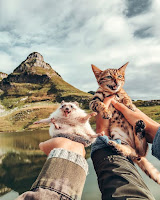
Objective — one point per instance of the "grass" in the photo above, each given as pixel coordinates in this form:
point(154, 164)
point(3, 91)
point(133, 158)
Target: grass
point(152, 111)
point(23, 118)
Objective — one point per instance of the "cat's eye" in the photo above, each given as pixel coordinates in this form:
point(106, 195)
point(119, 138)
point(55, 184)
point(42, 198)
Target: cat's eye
point(109, 77)
point(120, 76)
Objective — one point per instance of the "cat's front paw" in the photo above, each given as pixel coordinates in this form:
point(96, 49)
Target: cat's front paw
point(129, 104)
point(106, 114)
point(132, 107)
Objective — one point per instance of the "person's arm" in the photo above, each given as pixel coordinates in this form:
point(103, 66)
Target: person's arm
point(117, 176)
point(152, 127)
point(63, 174)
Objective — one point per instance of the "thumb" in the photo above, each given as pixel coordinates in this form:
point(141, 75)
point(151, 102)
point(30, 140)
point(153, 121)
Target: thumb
point(119, 106)
point(107, 100)
point(130, 115)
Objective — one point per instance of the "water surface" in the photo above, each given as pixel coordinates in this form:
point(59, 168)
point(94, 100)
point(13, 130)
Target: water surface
point(21, 161)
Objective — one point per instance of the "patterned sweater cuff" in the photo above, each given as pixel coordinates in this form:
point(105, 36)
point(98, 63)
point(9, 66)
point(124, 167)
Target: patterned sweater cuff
point(156, 145)
point(71, 156)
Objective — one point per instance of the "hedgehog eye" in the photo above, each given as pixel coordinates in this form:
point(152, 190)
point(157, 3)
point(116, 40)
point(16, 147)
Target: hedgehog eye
point(71, 106)
point(120, 76)
point(62, 106)
point(109, 77)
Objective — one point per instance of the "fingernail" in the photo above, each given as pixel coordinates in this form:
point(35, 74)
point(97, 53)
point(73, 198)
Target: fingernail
point(113, 101)
point(41, 146)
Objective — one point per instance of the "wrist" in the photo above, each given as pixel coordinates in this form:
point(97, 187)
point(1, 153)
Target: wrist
point(74, 147)
point(64, 143)
point(151, 129)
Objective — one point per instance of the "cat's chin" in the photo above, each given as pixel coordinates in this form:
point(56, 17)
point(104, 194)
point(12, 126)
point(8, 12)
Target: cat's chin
point(110, 88)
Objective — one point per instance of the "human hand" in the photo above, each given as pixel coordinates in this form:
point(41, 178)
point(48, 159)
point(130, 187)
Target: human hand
point(133, 116)
point(63, 143)
point(103, 124)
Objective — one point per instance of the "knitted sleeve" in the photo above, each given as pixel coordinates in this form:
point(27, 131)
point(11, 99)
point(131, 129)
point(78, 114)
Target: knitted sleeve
point(101, 142)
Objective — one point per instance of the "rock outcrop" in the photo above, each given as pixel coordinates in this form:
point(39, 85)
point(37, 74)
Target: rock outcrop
point(3, 75)
point(35, 59)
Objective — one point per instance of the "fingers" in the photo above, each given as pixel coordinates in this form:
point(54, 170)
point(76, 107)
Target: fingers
point(102, 125)
point(47, 146)
point(64, 143)
point(107, 100)
point(131, 116)
point(119, 106)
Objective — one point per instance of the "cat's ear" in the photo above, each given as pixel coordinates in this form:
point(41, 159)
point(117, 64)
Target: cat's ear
point(123, 68)
point(96, 71)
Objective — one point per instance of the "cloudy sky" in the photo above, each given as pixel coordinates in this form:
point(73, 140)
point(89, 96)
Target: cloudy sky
point(72, 34)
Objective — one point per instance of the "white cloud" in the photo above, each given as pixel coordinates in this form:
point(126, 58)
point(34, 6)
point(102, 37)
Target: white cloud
point(6, 62)
point(73, 34)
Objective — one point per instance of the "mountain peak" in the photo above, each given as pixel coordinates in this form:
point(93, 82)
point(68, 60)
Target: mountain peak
point(34, 80)
point(35, 55)
point(34, 59)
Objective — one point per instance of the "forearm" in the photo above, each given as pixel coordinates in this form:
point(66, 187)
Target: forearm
point(156, 145)
point(63, 174)
point(151, 129)
point(117, 176)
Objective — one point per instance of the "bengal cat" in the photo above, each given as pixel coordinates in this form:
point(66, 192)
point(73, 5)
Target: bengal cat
point(133, 143)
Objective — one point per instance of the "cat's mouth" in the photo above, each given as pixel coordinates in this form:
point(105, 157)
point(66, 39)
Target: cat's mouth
point(115, 87)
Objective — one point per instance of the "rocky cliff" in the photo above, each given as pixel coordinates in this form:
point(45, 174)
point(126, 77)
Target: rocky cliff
point(3, 75)
point(34, 80)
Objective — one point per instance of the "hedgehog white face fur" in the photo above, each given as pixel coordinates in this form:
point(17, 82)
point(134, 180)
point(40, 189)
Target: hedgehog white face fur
point(68, 108)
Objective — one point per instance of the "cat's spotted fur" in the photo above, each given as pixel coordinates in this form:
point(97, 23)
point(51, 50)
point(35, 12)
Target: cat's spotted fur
point(134, 144)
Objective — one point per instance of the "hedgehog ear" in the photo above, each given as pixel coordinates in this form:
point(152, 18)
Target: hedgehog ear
point(76, 103)
point(96, 71)
point(62, 102)
point(123, 68)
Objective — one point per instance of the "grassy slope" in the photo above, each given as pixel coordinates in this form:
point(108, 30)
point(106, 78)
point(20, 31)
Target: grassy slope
point(24, 117)
point(55, 90)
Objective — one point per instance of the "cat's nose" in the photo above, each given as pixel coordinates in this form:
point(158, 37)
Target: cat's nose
point(115, 81)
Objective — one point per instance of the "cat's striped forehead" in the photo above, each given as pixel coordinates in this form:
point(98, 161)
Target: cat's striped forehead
point(110, 72)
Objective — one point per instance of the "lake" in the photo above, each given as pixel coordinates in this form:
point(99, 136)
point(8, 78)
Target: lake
point(21, 161)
